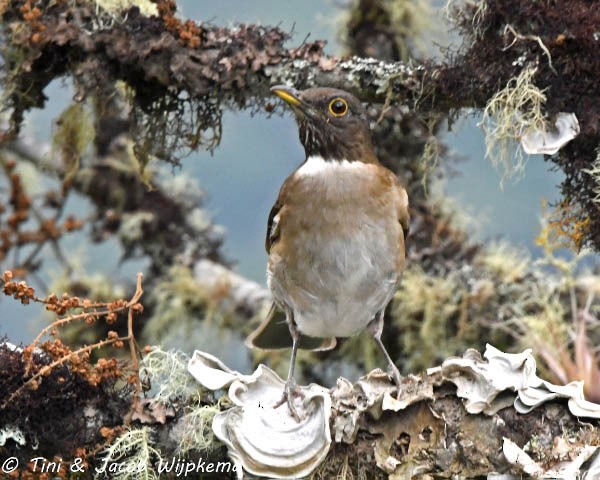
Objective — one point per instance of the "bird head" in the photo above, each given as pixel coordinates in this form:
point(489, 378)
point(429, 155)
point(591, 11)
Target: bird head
point(333, 124)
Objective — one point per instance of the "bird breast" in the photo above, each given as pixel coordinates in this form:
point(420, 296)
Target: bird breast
point(338, 259)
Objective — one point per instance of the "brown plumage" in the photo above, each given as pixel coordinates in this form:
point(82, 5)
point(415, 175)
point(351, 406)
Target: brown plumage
point(336, 234)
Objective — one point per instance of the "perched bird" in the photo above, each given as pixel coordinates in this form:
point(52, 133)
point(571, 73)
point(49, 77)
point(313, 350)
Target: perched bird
point(336, 234)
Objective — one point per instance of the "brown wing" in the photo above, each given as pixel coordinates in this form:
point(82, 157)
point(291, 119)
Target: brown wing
point(400, 199)
point(402, 208)
point(272, 226)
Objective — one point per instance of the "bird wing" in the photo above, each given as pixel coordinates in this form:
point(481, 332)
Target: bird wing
point(402, 209)
point(400, 199)
point(273, 222)
point(273, 226)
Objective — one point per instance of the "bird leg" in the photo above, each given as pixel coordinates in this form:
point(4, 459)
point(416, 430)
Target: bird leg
point(291, 389)
point(376, 328)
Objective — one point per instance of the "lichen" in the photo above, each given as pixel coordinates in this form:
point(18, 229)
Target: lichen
point(426, 310)
point(594, 172)
point(73, 135)
point(179, 301)
point(505, 261)
point(117, 7)
point(197, 434)
point(11, 432)
point(508, 113)
point(166, 371)
point(134, 455)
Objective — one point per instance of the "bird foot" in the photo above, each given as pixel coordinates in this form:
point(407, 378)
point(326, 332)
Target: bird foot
point(290, 391)
point(396, 378)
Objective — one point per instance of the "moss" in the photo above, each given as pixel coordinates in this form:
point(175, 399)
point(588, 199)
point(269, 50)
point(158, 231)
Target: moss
point(507, 300)
point(549, 326)
point(186, 316)
point(502, 41)
point(73, 135)
point(54, 417)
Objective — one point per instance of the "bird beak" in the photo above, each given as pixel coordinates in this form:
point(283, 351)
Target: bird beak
point(289, 95)
point(292, 97)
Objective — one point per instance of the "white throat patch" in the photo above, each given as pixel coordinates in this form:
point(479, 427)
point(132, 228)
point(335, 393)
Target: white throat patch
point(316, 165)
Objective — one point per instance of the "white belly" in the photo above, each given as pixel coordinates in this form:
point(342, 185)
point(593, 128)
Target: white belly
point(345, 282)
point(358, 290)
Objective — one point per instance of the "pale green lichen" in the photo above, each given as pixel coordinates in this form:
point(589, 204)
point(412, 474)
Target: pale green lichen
point(167, 372)
point(197, 432)
point(426, 308)
point(432, 152)
point(132, 228)
point(97, 287)
point(189, 315)
point(132, 457)
point(116, 8)
point(549, 325)
point(180, 303)
point(507, 115)
point(506, 300)
point(73, 135)
point(505, 261)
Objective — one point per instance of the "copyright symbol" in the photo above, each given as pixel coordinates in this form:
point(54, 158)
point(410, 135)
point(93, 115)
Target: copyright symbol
point(10, 464)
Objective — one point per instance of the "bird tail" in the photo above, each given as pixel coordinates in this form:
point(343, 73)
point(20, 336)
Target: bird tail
point(273, 333)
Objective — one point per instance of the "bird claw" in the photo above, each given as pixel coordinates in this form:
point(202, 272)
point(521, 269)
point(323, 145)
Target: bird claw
point(290, 391)
point(396, 378)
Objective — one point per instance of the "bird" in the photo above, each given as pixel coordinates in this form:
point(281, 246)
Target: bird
point(335, 235)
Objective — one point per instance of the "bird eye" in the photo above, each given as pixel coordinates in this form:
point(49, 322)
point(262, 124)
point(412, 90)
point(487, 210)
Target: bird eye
point(338, 107)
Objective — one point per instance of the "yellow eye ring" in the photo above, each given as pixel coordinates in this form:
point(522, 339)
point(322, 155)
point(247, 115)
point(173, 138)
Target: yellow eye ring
point(338, 107)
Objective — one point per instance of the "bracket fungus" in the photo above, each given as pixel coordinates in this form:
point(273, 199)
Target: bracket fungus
point(549, 141)
point(263, 440)
point(489, 385)
point(407, 435)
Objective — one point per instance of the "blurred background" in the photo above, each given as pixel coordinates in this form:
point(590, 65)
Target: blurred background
point(229, 191)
